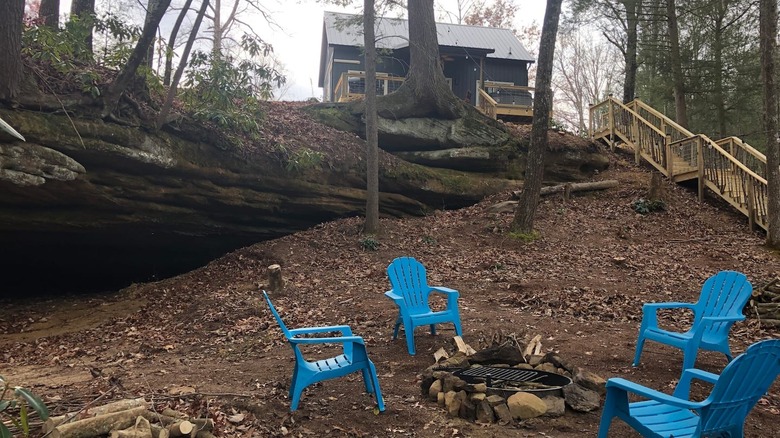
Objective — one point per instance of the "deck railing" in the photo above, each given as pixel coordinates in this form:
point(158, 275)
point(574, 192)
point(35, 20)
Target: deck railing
point(729, 167)
point(500, 99)
point(352, 85)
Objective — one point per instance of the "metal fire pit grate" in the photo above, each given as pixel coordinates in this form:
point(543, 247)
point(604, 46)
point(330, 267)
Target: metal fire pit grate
point(514, 379)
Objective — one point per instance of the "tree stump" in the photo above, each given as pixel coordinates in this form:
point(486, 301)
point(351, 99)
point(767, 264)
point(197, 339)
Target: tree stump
point(656, 192)
point(275, 280)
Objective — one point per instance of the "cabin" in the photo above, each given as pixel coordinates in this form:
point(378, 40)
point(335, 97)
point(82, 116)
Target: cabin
point(486, 66)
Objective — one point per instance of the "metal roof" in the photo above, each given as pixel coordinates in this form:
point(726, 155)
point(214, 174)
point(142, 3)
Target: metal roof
point(392, 33)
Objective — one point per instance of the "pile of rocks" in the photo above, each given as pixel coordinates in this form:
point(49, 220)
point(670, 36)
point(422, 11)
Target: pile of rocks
point(477, 402)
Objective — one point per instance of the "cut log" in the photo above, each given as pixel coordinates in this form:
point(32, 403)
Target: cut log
point(440, 354)
point(99, 425)
point(463, 347)
point(275, 280)
point(574, 187)
point(117, 406)
point(159, 431)
point(173, 413)
point(165, 420)
point(181, 428)
point(141, 429)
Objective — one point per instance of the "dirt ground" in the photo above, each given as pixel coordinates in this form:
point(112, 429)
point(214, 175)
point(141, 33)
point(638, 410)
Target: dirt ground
point(203, 342)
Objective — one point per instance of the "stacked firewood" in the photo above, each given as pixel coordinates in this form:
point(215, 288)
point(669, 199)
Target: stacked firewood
point(765, 304)
point(130, 418)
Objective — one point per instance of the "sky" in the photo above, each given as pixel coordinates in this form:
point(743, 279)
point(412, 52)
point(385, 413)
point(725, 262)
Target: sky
point(297, 38)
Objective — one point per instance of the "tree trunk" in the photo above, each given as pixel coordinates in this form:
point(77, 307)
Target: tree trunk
point(84, 9)
point(372, 137)
point(11, 48)
point(768, 46)
point(120, 84)
point(632, 22)
point(425, 92)
point(50, 13)
point(172, 42)
point(216, 48)
point(717, 50)
point(529, 198)
point(150, 6)
point(161, 118)
point(680, 109)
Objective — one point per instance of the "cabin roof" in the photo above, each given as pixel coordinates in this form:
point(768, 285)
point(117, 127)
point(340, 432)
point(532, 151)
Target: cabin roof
point(392, 33)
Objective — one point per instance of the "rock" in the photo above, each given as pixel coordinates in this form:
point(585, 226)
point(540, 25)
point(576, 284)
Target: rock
point(581, 399)
point(495, 400)
point(478, 397)
point(503, 207)
point(440, 399)
point(524, 366)
point(535, 360)
point(452, 383)
point(434, 390)
point(556, 406)
point(556, 360)
point(523, 406)
point(458, 360)
point(479, 387)
point(468, 409)
point(590, 381)
point(32, 165)
point(503, 414)
point(453, 401)
point(485, 413)
point(547, 367)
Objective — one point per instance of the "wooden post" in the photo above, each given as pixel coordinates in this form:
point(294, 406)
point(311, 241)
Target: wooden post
point(700, 163)
point(275, 280)
point(751, 205)
point(611, 123)
point(590, 121)
point(637, 142)
point(669, 159)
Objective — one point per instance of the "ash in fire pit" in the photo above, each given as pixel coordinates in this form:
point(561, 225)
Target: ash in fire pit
point(502, 383)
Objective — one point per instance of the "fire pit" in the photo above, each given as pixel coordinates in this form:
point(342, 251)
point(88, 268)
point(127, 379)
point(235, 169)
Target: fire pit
point(507, 381)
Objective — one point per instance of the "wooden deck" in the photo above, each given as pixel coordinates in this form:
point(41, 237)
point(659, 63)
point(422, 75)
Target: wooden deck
point(496, 99)
point(729, 167)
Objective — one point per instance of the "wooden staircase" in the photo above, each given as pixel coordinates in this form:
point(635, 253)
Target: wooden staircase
point(729, 167)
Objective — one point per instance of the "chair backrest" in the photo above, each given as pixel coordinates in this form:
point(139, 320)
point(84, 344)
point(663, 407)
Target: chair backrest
point(723, 294)
point(276, 315)
point(408, 279)
point(743, 382)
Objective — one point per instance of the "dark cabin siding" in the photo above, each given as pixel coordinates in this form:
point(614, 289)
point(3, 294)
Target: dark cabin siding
point(505, 70)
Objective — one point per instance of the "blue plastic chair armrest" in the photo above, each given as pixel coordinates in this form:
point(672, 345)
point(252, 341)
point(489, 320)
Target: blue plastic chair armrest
point(683, 389)
point(444, 290)
point(714, 319)
point(393, 296)
point(652, 394)
point(656, 306)
point(343, 329)
point(334, 340)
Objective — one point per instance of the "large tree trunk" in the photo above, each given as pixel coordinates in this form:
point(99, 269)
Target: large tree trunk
point(680, 109)
point(532, 185)
point(84, 9)
point(50, 13)
point(425, 92)
point(11, 48)
point(717, 50)
point(172, 42)
point(120, 84)
point(150, 7)
point(768, 45)
point(161, 118)
point(372, 137)
point(632, 23)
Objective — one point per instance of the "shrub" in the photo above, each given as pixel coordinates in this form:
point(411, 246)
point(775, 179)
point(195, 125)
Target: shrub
point(646, 206)
point(14, 405)
point(369, 243)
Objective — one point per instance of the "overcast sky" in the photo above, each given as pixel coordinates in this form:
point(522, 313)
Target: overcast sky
point(298, 39)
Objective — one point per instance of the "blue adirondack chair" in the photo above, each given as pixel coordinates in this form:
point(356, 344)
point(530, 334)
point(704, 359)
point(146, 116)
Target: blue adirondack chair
point(410, 293)
point(353, 359)
point(720, 305)
point(743, 382)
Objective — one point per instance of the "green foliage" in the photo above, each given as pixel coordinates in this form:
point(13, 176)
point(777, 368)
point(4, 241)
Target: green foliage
point(369, 243)
point(525, 237)
point(300, 160)
point(228, 91)
point(66, 49)
point(646, 206)
point(14, 405)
